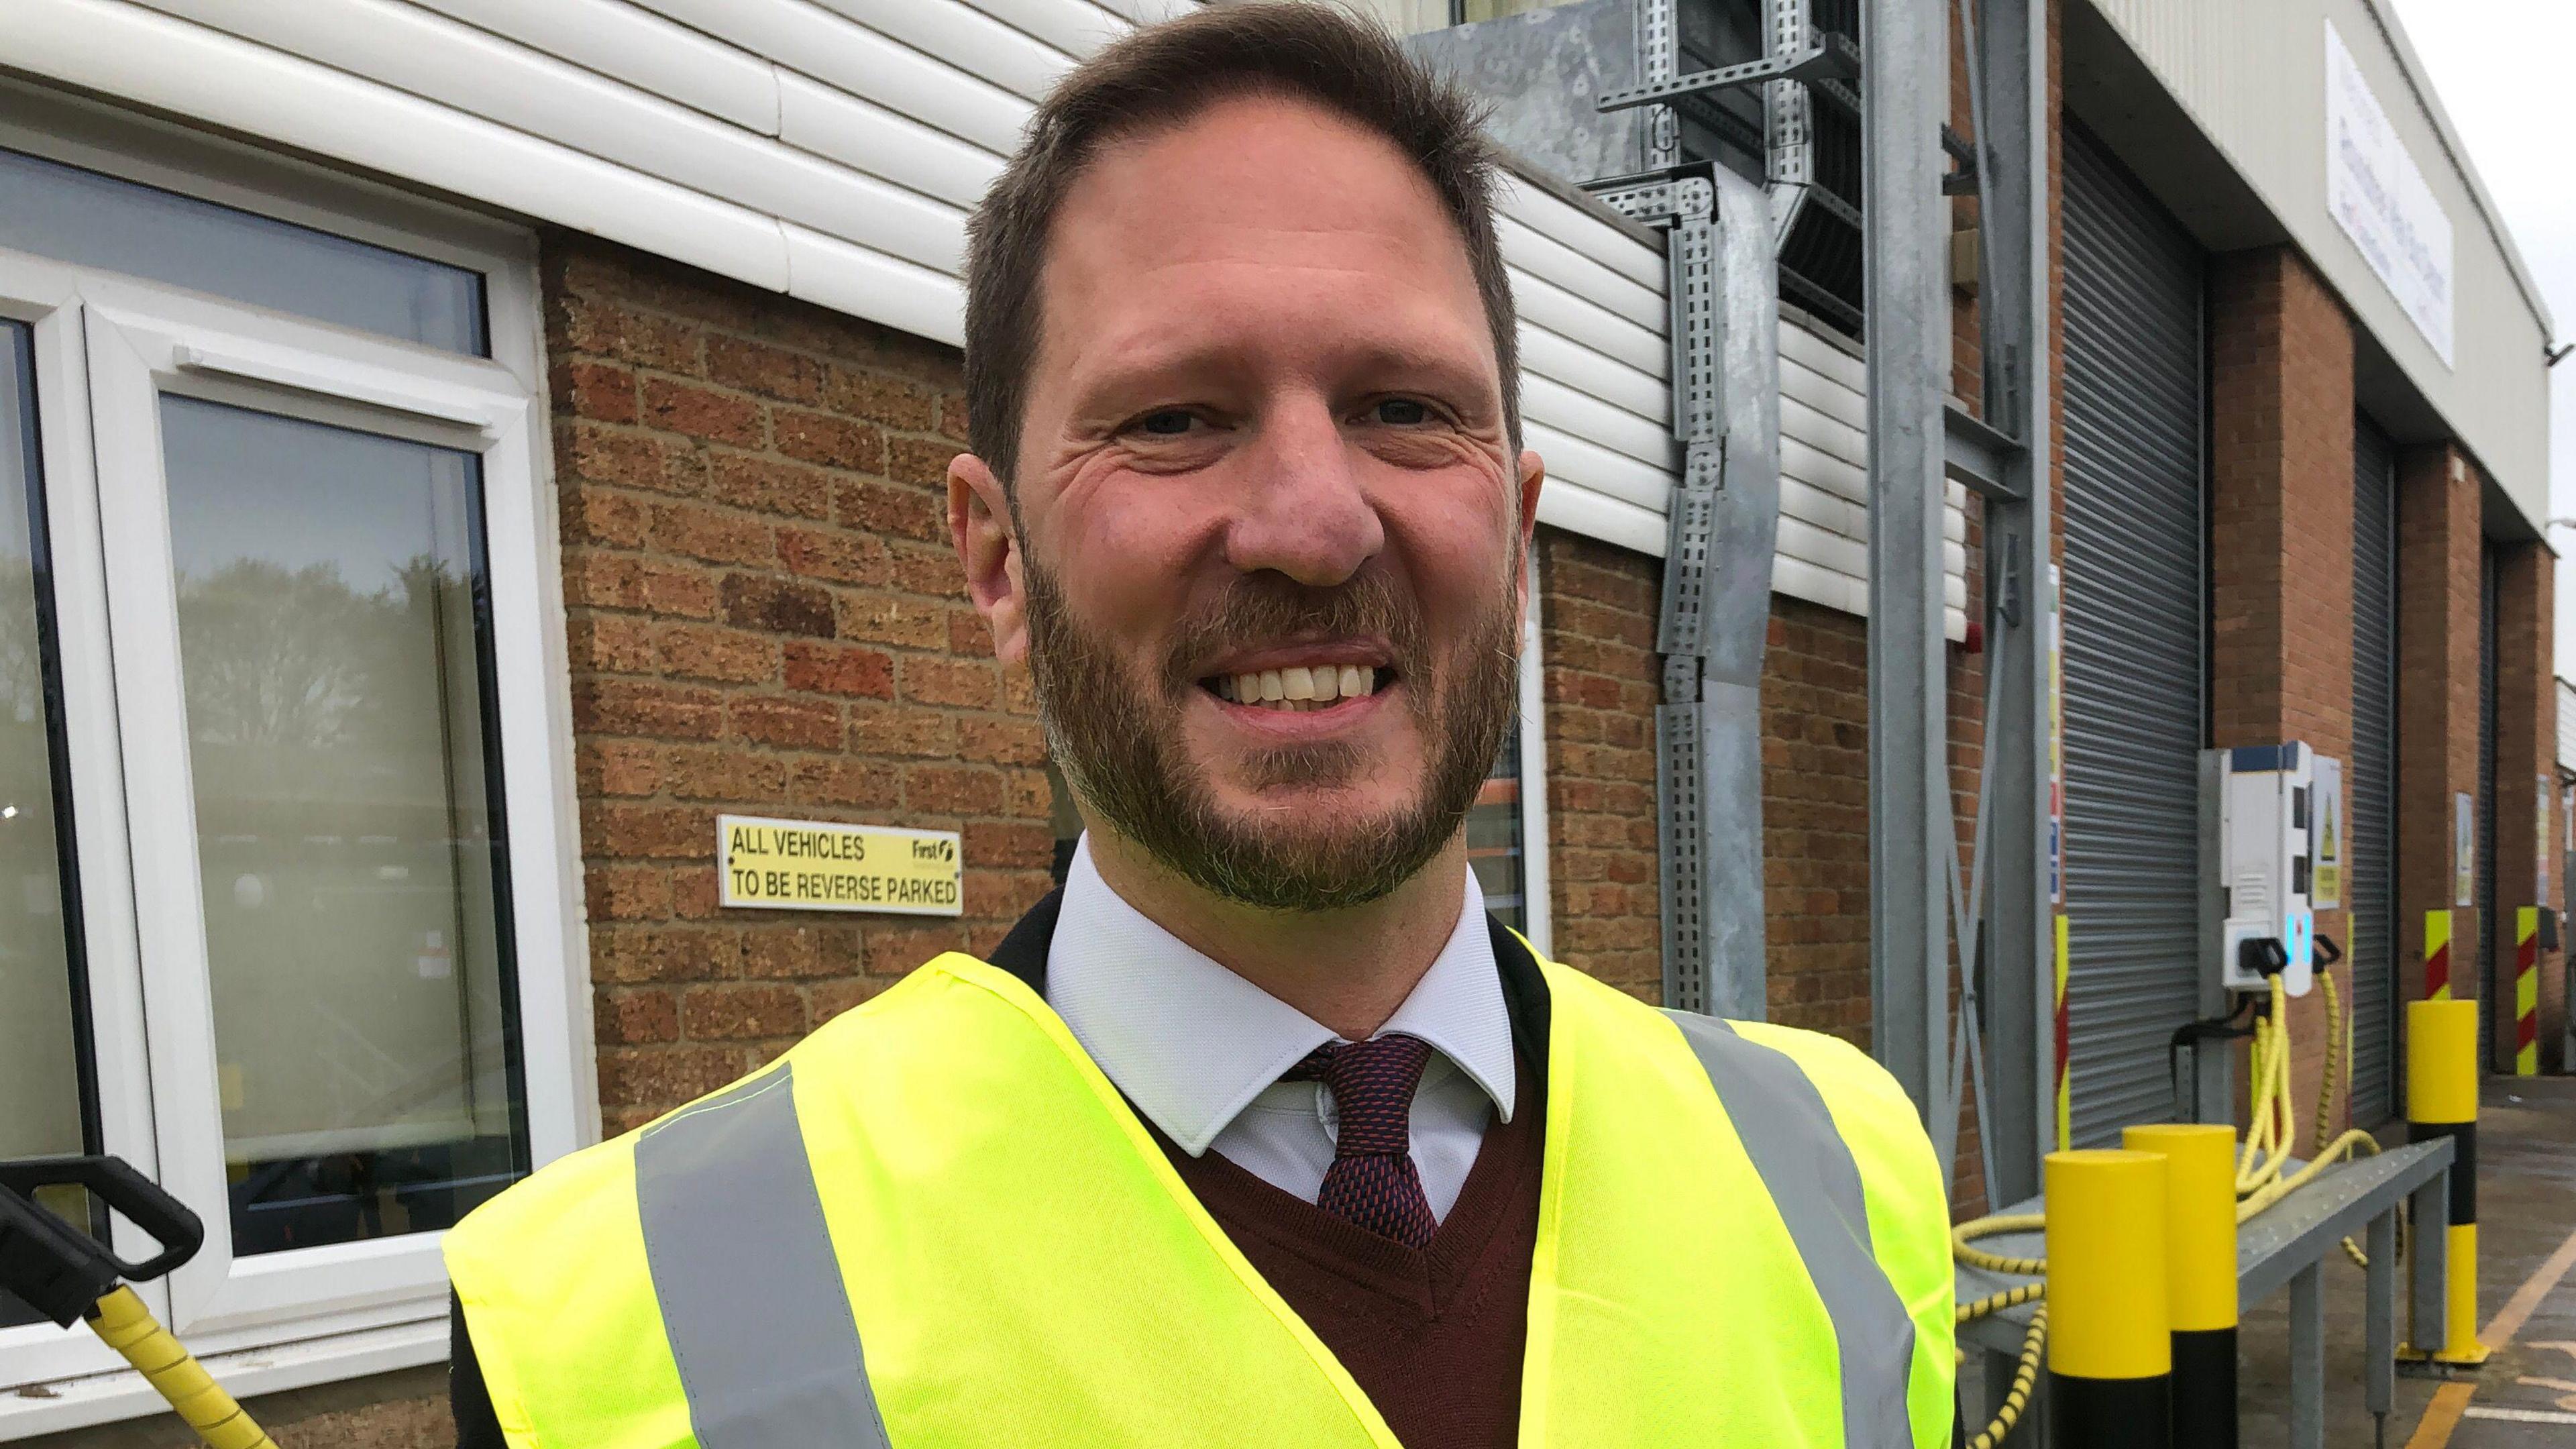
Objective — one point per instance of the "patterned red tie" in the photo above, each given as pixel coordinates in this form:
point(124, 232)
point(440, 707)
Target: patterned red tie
point(1373, 1181)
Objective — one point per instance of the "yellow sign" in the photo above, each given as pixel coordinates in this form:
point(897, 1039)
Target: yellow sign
point(815, 865)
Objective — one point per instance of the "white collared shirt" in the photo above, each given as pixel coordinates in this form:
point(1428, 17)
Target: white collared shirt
point(1199, 1050)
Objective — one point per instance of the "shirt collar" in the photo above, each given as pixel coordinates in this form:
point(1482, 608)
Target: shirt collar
point(1191, 1043)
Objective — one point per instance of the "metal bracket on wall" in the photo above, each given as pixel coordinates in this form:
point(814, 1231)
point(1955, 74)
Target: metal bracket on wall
point(1717, 570)
point(1823, 57)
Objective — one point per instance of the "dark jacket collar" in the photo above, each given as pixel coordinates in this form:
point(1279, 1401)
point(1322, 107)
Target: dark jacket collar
point(1023, 953)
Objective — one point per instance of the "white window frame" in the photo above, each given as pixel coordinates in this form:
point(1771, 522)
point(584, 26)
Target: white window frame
point(106, 348)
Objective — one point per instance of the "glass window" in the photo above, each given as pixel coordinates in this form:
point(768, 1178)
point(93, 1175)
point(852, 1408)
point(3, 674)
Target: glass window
point(1494, 846)
point(72, 215)
point(47, 1098)
point(335, 645)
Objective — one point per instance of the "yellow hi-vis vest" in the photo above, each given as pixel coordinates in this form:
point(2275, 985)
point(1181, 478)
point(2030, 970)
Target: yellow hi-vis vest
point(934, 1224)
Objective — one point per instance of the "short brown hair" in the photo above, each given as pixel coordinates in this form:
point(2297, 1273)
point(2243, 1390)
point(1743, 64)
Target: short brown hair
point(1163, 75)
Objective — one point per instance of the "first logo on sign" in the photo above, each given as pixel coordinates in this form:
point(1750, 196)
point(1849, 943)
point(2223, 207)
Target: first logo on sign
point(817, 865)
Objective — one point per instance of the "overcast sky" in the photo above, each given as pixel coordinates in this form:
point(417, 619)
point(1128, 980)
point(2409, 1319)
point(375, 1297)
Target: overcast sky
point(2500, 67)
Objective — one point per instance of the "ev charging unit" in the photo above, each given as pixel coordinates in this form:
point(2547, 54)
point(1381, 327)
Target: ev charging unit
point(2258, 819)
point(2266, 864)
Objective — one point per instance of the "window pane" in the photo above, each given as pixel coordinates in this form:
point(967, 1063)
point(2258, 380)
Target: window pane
point(95, 220)
point(335, 640)
point(46, 1091)
point(1494, 836)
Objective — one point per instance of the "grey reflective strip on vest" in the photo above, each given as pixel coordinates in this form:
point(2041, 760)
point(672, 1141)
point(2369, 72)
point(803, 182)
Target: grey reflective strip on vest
point(1808, 1169)
point(749, 1287)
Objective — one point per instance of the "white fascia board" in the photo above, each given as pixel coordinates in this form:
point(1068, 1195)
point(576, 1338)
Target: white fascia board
point(1611, 520)
point(1644, 395)
point(859, 133)
point(853, 58)
point(952, 32)
point(830, 272)
point(1589, 465)
point(1598, 422)
point(480, 74)
point(1075, 27)
point(1592, 236)
point(1579, 319)
point(634, 45)
point(1543, 256)
point(177, 66)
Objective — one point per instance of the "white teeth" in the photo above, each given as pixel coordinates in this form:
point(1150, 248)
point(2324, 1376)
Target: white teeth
point(1247, 688)
point(1327, 684)
point(1271, 687)
point(1297, 683)
point(1358, 679)
point(1299, 689)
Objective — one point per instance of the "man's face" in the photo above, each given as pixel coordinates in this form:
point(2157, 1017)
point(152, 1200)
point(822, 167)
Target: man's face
point(1264, 455)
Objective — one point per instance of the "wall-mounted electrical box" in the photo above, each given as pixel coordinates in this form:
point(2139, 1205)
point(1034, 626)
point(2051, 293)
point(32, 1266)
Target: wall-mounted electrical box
point(2261, 803)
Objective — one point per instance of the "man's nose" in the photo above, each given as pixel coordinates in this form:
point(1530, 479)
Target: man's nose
point(1306, 510)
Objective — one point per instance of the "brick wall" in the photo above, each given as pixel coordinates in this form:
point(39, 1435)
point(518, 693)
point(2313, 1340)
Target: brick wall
point(2280, 565)
point(765, 617)
point(1597, 609)
point(1815, 817)
point(2526, 753)
point(2438, 546)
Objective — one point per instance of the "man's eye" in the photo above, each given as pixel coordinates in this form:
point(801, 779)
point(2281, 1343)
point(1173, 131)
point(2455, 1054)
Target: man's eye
point(1169, 423)
point(1402, 412)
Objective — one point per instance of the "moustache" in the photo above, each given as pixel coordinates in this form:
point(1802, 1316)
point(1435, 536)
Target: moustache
point(1271, 607)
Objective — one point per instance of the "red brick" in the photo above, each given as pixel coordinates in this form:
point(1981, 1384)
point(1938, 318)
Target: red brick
point(634, 1017)
point(777, 606)
point(893, 508)
point(789, 723)
point(952, 790)
point(602, 391)
point(617, 767)
point(911, 623)
point(879, 398)
point(663, 1077)
point(702, 412)
point(769, 371)
point(711, 534)
point(627, 893)
point(640, 707)
point(632, 955)
point(834, 442)
point(741, 1010)
point(963, 683)
point(844, 558)
point(646, 832)
point(902, 729)
point(766, 485)
point(844, 669)
point(892, 951)
point(1001, 741)
point(723, 773)
point(706, 651)
point(850, 784)
point(922, 462)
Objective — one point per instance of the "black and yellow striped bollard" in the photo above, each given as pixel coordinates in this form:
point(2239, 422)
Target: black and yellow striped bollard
point(2110, 1346)
point(2442, 1101)
point(2200, 1273)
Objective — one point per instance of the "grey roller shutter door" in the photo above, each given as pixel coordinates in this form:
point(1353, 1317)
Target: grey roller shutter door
point(2370, 780)
point(2134, 630)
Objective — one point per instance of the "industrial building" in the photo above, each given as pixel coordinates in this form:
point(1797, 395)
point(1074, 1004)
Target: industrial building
point(368, 840)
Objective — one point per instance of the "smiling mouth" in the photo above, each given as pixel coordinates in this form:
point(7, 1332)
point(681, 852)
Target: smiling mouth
point(1300, 689)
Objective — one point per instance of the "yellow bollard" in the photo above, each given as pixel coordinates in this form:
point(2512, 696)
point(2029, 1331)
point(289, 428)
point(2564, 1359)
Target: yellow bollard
point(2442, 1101)
point(2200, 1274)
point(2110, 1343)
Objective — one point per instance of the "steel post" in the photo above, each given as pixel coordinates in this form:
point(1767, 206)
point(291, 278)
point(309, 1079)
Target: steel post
point(2018, 856)
point(1913, 839)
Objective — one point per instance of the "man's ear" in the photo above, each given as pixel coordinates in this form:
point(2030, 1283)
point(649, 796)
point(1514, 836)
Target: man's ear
point(1533, 476)
point(979, 521)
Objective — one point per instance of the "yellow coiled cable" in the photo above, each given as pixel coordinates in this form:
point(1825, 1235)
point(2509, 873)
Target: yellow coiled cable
point(122, 1323)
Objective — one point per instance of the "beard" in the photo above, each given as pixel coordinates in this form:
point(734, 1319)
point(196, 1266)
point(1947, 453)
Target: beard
point(1119, 740)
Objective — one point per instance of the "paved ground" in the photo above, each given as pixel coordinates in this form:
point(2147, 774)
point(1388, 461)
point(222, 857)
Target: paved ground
point(2526, 1214)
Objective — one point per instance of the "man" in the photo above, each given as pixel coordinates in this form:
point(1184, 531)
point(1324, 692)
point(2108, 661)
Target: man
point(1260, 1132)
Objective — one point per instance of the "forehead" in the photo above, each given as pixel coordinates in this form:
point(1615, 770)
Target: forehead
point(1251, 184)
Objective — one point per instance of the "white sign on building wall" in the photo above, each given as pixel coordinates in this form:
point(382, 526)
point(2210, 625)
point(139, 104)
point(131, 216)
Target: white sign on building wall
point(2381, 201)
